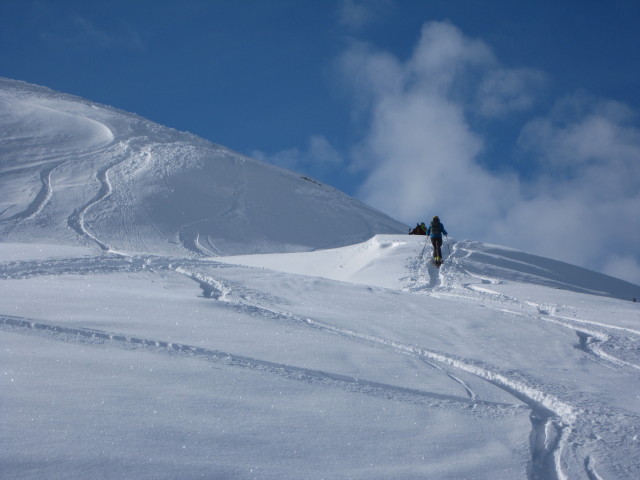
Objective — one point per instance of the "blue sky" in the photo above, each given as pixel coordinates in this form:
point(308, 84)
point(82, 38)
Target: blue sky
point(517, 122)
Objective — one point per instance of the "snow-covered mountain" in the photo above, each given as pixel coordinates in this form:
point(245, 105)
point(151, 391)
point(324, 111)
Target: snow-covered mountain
point(170, 309)
point(75, 171)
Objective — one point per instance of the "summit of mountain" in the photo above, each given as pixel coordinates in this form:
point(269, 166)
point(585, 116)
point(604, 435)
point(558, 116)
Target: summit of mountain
point(76, 172)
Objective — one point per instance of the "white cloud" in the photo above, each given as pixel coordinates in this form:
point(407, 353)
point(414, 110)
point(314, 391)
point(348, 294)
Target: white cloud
point(420, 150)
point(582, 130)
point(423, 153)
point(441, 57)
point(580, 198)
point(589, 158)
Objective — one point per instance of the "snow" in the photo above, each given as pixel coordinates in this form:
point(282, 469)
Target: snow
point(146, 331)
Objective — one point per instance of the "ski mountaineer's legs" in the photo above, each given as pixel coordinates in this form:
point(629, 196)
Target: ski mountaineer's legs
point(437, 244)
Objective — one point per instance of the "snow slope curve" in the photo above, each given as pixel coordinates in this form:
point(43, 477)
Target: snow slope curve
point(75, 172)
point(382, 262)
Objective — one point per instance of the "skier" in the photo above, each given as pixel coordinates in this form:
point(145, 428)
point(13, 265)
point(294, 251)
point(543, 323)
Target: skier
point(419, 230)
point(435, 232)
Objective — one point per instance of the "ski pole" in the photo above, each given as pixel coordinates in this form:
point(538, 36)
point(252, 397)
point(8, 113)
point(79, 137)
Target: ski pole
point(447, 242)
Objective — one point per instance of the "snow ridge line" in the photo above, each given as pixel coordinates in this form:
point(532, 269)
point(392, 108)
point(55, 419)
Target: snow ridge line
point(290, 372)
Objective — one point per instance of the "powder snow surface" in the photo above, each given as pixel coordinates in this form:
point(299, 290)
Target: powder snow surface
point(134, 345)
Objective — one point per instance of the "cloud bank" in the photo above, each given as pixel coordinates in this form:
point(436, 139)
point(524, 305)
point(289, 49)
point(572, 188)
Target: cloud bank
point(574, 191)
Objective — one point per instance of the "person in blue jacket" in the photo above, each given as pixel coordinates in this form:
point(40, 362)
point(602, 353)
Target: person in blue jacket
point(435, 232)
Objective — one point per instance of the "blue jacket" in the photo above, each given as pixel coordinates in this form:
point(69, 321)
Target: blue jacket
point(437, 234)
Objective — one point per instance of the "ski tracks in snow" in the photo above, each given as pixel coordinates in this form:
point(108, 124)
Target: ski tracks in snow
point(238, 298)
point(424, 275)
point(290, 372)
point(45, 194)
point(551, 418)
point(563, 436)
point(125, 151)
point(593, 336)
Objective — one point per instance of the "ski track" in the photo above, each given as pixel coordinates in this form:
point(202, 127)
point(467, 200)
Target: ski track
point(590, 340)
point(44, 195)
point(125, 152)
point(52, 163)
point(41, 198)
point(189, 237)
point(77, 219)
point(551, 418)
point(553, 421)
point(563, 435)
point(220, 291)
point(204, 249)
point(290, 372)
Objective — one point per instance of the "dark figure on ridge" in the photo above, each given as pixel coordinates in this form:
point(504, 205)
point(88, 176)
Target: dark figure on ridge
point(420, 229)
point(435, 231)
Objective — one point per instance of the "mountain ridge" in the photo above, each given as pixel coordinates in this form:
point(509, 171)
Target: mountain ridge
point(126, 183)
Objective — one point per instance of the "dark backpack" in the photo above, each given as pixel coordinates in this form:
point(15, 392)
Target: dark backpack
point(435, 228)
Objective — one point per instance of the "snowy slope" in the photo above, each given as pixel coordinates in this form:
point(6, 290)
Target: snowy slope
point(76, 172)
point(129, 348)
point(379, 261)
